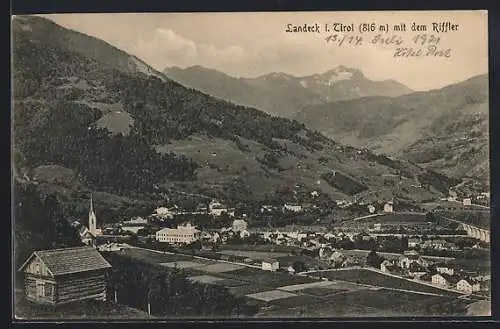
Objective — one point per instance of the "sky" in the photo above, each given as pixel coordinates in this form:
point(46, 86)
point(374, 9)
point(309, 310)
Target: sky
point(253, 44)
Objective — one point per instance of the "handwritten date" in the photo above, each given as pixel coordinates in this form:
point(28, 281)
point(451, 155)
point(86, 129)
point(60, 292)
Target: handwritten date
point(354, 40)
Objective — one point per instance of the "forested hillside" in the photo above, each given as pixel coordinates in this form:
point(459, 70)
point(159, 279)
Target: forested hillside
point(135, 135)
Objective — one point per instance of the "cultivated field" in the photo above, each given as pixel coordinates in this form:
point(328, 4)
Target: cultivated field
point(154, 257)
point(348, 294)
point(253, 254)
point(367, 277)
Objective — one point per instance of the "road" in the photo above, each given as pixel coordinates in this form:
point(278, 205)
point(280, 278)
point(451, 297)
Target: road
point(381, 214)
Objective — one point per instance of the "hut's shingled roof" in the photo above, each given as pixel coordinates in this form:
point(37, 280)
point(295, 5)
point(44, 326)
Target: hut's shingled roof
point(71, 260)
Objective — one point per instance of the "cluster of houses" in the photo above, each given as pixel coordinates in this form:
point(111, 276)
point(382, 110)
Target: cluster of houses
point(465, 284)
point(388, 207)
point(467, 201)
point(413, 265)
point(436, 244)
point(214, 208)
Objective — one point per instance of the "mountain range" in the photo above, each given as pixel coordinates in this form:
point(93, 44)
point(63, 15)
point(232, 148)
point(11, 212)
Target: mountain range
point(284, 94)
point(87, 120)
point(444, 129)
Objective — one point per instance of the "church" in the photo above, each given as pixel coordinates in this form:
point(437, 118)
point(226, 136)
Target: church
point(88, 234)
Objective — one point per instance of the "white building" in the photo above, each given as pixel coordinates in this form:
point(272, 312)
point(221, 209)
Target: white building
point(413, 242)
point(216, 208)
point(410, 257)
point(270, 265)
point(136, 220)
point(445, 280)
point(266, 208)
point(134, 225)
point(336, 257)
point(468, 286)
point(292, 207)
point(467, 202)
point(216, 237)
point(371, 209)
point(164, 212)
point(244, 234)
point(239, 225)
point(385, 266)
point(445, 270)
point(388, 207)
point(182, 234)
point(440, 280)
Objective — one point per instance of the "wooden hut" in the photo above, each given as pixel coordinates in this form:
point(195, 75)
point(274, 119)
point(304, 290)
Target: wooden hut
point(65, 275)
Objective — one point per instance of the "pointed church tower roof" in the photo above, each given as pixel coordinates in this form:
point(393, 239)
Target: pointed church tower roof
point(91, 204)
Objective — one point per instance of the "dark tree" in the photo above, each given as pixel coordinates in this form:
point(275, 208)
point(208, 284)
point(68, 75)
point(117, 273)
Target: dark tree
point(299, 266)
point(373, 259)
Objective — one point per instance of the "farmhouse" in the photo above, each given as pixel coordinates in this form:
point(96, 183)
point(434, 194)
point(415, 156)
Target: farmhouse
point(413, 242)
point(385, 266)
point(267, 208)
point(270, 264)
point(110, 247)
point(468, 285)
point(417, 270)
point(435, 244)
point(182, 234)
point(239, 225)
point(336, 257)
point(467, 202)
point(292, 207)
point(244, 234)
point(445, 269)
point(86, 237)
point(410, 257)
point(388, 207)
point(444, 280)
point(164, 212)
point(65, 275)
point(134, 225)
point(371, 209)
point(216, 208)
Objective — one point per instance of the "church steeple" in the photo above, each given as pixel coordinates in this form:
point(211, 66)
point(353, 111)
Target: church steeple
point(92, 217)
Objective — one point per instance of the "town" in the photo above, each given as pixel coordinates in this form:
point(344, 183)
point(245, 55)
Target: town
point(440, 248)
point(421, 248)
